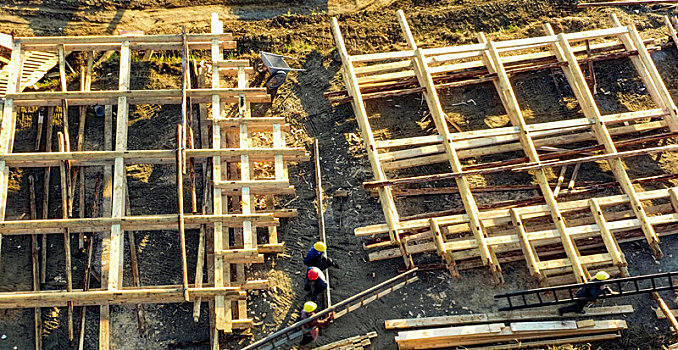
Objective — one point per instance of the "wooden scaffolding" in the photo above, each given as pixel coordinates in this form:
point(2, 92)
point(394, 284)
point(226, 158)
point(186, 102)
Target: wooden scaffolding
point(550, 237)
point(234, 228)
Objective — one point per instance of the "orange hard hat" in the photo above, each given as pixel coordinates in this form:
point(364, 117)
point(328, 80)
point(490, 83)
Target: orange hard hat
point(313, 273)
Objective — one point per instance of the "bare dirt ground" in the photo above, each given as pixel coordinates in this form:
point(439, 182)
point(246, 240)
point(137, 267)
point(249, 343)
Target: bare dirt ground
point(302, 29)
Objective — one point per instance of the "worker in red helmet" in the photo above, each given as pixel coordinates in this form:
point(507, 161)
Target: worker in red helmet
point(312, 329)
point(315, 283)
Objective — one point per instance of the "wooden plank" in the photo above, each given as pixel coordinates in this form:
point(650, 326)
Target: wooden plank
point(507, 316)
point(528, 249)
point(222, 309)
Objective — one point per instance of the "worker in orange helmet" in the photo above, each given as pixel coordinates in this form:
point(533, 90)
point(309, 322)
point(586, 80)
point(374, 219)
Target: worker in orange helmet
point(312, 329)
point(315, 283)
point(589, 294)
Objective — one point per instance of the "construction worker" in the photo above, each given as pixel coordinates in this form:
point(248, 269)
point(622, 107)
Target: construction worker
point(315, 283)
point(312, 329)
point(317, 257)
point(589, 294)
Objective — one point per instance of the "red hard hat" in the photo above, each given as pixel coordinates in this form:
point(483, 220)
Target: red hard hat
point(313, 274)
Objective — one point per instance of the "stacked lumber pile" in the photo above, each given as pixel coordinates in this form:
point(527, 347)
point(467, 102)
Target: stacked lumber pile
point(508, 330)
point(358, 342)
point(516, 335)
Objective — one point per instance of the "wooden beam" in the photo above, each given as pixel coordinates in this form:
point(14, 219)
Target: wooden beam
point(144, 295)
point(576, 78)
point(167, 96)
point(67, 235)
point(502, 316)
point(438, 116)
point(510, 102)
point(222, 308)
point(7, 126)
point(98, 158)
point(385, 196)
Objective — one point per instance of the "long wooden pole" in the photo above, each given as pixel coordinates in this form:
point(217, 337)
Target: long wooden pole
point(45, 192)
point(88, 268)
point(627, 3)
point(67, 236)
point(37, 314)
point(321, 213)
point(180, 203)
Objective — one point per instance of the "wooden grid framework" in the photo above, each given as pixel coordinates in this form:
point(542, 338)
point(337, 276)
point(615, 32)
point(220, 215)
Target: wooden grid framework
point(227, 159)
point(517, 227)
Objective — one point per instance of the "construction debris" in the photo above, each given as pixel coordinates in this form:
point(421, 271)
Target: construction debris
point(358, 342)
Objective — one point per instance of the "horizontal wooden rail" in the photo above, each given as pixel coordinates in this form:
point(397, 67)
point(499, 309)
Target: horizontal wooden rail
point(95, 158)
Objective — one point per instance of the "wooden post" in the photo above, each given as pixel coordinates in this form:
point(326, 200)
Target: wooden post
point(37, 313)
point(67, 236)
point(222, 309)
point(180, 203)
point(88, 269)
point(45, 192)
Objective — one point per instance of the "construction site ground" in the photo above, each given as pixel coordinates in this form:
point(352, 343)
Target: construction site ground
point(302, 30)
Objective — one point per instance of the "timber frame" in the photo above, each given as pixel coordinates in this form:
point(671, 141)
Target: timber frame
point(550, 237)
point(233, 229)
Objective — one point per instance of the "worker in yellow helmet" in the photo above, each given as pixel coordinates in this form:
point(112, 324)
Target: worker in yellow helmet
point(589, 294)
point(312, 329)
point(316, 257)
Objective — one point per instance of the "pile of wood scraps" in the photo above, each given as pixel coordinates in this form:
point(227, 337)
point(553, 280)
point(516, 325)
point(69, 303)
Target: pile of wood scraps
point(358, 342)
point(508, 330)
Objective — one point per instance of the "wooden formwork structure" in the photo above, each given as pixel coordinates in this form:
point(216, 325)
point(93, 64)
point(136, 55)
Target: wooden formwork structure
point(233, 230)
point(550, 237)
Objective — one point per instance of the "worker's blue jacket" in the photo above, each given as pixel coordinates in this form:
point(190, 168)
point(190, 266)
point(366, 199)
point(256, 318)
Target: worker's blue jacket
point(312, 256)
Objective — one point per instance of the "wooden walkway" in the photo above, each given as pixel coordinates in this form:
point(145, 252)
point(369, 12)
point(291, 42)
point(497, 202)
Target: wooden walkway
point(35, 65)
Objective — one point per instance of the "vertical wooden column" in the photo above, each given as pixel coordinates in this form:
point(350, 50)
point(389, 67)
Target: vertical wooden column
point(512, 107)
point(8, 124)
point(438, 115)
point(116, 249)
point(573, 73)
point(223, 317)
point(385, 193)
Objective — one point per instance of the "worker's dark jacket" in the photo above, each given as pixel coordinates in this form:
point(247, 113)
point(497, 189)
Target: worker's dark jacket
point(312, 328)
point(593, 292)
point(315, 287)
point(313, 257)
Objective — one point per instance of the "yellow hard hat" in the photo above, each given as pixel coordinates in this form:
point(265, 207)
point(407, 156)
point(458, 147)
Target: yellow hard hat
point(320, 246)
point(602, 275)
point(310, 306)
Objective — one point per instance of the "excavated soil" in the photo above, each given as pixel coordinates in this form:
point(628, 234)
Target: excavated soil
point(302, 30)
